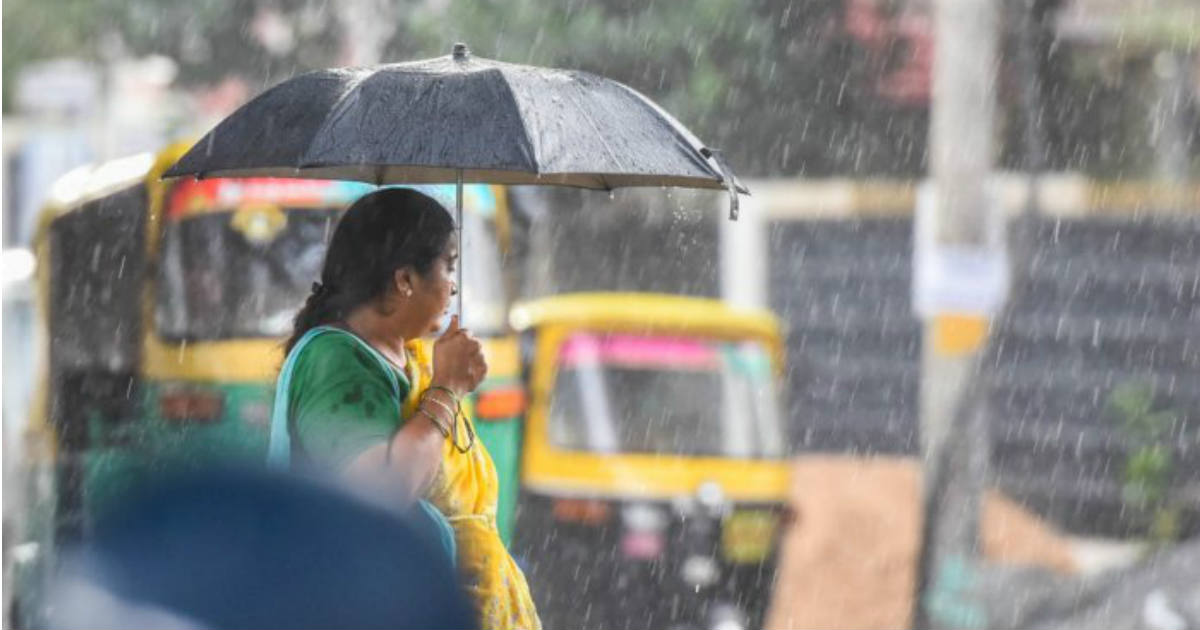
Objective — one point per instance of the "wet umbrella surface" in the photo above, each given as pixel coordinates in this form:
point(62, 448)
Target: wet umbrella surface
point(439, 119)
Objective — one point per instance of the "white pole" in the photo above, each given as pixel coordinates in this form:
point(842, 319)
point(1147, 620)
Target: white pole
point(953, 427)
point(743, 265)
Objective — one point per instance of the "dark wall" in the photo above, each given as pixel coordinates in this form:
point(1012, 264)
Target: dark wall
point(1103, 304)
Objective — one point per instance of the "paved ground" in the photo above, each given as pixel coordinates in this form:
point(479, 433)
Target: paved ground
point(849, 561)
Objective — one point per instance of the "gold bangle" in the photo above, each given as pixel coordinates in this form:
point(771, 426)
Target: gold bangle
point(470, 433)
point(450, 410)
point(449, 392)
point(455, 412)
point(436, 423)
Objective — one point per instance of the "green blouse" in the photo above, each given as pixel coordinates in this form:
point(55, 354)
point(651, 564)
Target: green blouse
point(340, 402)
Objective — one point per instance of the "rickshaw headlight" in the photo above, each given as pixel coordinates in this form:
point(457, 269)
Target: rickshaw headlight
point(644, 537)
point(726, 616)
point(711, 496)
point(700, 571)
point(643, 517)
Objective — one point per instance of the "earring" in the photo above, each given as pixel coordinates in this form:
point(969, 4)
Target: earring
point(408, 292)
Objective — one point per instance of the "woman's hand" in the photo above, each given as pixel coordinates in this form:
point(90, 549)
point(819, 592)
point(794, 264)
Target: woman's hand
point(458, 363)
point(415, 451)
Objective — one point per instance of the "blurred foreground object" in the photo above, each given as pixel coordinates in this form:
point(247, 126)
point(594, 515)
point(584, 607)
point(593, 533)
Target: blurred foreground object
point(251, 550)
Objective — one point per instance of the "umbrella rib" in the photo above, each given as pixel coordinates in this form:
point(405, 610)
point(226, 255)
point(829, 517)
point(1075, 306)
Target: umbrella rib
point(533, 149)
point(604, 142)
point(336, 110)
point(682, 133)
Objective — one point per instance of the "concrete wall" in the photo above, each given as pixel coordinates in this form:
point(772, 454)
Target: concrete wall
point(1111, 296)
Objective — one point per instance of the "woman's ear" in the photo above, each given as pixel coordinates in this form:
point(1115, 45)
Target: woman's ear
point(404, 279)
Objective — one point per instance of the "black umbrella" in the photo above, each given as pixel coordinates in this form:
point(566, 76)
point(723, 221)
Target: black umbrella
point(459, 119)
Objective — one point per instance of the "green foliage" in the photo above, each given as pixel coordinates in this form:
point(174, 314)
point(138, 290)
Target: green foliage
point(1147, 473)
point(209, 39)
point(32, 33)
point(1148, 466)
point(1133, 405)
point(689, 56)
point(776, 84)
point(780, 85)
point(1174, 25)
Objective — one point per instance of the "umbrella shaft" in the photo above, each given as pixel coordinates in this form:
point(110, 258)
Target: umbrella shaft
point(458, 218)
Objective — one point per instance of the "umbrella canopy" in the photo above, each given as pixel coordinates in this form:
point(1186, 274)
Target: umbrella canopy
point(460, 119)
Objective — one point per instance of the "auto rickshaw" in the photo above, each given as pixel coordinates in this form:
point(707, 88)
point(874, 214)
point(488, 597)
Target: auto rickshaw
point(654, 476)
point(165, 305)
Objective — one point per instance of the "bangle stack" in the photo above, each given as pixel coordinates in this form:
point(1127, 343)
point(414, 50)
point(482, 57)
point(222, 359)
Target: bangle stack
point(455, 412)
point(434, 419)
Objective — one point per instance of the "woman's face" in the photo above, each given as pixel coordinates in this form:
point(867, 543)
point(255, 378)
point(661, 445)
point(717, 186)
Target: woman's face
point(433, 291)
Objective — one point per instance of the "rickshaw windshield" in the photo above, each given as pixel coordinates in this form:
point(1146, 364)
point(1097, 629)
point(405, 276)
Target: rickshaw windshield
point(618, 393)
point(219, 279)
point(238, 256)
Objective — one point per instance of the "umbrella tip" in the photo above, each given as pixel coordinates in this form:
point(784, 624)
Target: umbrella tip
point(461, 52)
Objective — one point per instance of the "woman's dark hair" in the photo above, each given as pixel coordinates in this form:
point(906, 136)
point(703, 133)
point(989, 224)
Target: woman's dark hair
point(383, 231)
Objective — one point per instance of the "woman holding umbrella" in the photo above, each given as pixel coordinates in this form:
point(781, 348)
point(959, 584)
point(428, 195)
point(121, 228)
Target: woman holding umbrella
point(456, 118)
point(363, 395)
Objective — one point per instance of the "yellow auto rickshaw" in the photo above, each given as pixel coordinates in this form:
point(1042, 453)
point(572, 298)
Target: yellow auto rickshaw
point(654, 469)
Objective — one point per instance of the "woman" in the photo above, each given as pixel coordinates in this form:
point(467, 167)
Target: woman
point(367, 398)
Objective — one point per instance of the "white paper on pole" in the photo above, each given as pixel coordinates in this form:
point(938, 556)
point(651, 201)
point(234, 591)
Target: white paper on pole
point(953, 278)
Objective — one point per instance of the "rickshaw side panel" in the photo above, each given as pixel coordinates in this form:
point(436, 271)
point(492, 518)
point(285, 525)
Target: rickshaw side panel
point(97, 265)
point(502, 439)
point(127, 454)
point(498, 422)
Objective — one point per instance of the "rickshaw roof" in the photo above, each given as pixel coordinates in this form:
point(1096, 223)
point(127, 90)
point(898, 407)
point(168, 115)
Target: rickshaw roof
point(649, 309)
point(98, 180)
point(95, 181)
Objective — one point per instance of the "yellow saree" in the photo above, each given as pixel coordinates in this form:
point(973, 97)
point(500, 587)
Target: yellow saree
point(465, 490)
